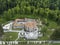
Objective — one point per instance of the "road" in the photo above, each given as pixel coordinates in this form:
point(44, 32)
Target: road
point(28, 42)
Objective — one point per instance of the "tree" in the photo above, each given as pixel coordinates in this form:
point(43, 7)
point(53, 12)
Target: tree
point(41, 12)
point(17, 9)
point(52, 15)
point(56, 34)
point(45, 22)
point(1, 30)
point(44, 30)
point(58, 20)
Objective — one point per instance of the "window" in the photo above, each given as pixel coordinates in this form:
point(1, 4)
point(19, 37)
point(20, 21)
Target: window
point(35, 29)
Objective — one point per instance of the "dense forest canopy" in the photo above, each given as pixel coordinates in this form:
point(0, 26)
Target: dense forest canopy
point(11, 9)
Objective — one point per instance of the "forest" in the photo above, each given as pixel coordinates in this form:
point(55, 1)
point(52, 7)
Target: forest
point(11, 9)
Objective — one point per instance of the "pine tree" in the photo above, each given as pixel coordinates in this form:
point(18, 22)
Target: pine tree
point(1, 30)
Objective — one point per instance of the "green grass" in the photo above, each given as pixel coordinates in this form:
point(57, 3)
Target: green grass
point(17, 29)
point(39, 39)
point(52, 24)
point(56, 44)
point(5, 23)
point(26, 16)
point(10, 36)
point(21, 39)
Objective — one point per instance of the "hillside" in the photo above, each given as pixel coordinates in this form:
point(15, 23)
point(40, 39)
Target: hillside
point(11, 9)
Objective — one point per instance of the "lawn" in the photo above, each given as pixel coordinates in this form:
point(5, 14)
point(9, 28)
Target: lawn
point(39, 39)
point(56, 44)
point(26, 16)
point(52, 24)
point(16, 28)
point(10, 36)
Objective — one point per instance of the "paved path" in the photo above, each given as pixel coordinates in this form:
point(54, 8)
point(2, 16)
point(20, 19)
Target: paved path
point(12, 30)
point(16, 39)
